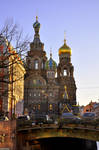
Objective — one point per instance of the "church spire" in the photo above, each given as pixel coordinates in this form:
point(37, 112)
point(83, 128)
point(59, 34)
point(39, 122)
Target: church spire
point(36, 18)
point(64, 37)
point(50, 52)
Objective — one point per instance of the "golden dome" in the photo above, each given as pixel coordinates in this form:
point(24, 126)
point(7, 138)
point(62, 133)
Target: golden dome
point(65, 48)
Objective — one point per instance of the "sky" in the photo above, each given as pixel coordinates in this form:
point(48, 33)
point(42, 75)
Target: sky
point(79, 19)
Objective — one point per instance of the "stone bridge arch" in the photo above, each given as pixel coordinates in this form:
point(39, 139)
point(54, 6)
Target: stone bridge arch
point(45, 138)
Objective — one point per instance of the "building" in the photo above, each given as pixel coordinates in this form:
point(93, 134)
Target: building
point(43, 91)
point(92, 107)
point(89, 107)
point(96, 109)
point(11, 79)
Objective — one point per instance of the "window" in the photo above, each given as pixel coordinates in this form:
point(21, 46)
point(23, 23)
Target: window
point(43, 65)
point(53, 75)
point(38, 106)
point(65, 72)
point(56, 75)
point(48, 74)
point(68, 73)
point(36, 65)
point(34, 94)
point(39, 94)
point(34, 107)
point(60, 74)
point(50, 94)
point(50, 107)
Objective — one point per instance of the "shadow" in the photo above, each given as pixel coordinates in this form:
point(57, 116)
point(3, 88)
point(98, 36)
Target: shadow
point(67, 144)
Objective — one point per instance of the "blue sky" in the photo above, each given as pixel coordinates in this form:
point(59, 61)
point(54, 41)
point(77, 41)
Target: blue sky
point(80, 20)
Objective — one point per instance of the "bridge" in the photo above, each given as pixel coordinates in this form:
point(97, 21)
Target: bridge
point(44, 136)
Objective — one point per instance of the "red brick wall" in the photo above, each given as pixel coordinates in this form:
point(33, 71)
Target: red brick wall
point(8, 134)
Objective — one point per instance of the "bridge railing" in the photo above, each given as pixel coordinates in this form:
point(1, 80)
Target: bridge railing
point(21, 124)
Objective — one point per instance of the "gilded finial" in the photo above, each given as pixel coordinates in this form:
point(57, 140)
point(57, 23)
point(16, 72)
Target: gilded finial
point(50, 52)
point(36, 18)
point(64, 37)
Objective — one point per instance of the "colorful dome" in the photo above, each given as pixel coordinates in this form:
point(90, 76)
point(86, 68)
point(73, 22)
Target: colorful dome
point(51, 64)
point(36, 25)
point(65, 48)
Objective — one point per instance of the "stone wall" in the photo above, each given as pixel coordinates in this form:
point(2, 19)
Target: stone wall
point(8, 135)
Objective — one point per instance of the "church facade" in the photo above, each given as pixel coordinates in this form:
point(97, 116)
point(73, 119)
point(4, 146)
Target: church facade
point(44, 92)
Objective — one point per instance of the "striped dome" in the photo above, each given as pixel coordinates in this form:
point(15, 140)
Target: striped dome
point(51, 64)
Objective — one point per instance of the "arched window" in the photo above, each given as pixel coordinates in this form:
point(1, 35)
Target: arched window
point(34, 107)
point(56, 75)
point(38, 106)
point(50, 94)
point(43, 65)
point(50, 107)
point(53, 74)
point(48, 74)
point(36, 64)
point(65, 72)
point(34, 94)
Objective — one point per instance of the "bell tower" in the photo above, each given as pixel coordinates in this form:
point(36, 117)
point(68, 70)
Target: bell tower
point(36, 56)
point(65, 71)
point(65, 67)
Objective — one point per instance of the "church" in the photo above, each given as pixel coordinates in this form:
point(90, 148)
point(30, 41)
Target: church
point(48, 87)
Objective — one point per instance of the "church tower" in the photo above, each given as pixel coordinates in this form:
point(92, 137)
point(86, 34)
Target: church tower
point(36, 56)
point(65, 71)
point(35, 77)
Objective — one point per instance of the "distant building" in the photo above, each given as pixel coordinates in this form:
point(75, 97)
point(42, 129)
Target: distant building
point(89, 107)
point(92, 107)
point(11, 78)
point(44, 92)
point(96, 109)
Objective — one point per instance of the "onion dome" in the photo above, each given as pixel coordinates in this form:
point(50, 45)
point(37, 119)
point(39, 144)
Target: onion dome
point(36, 25)
point(51, 64)
point(65, 48)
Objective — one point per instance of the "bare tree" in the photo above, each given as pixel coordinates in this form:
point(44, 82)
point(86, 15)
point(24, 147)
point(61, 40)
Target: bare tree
point(13, 49)
point(13, 35)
